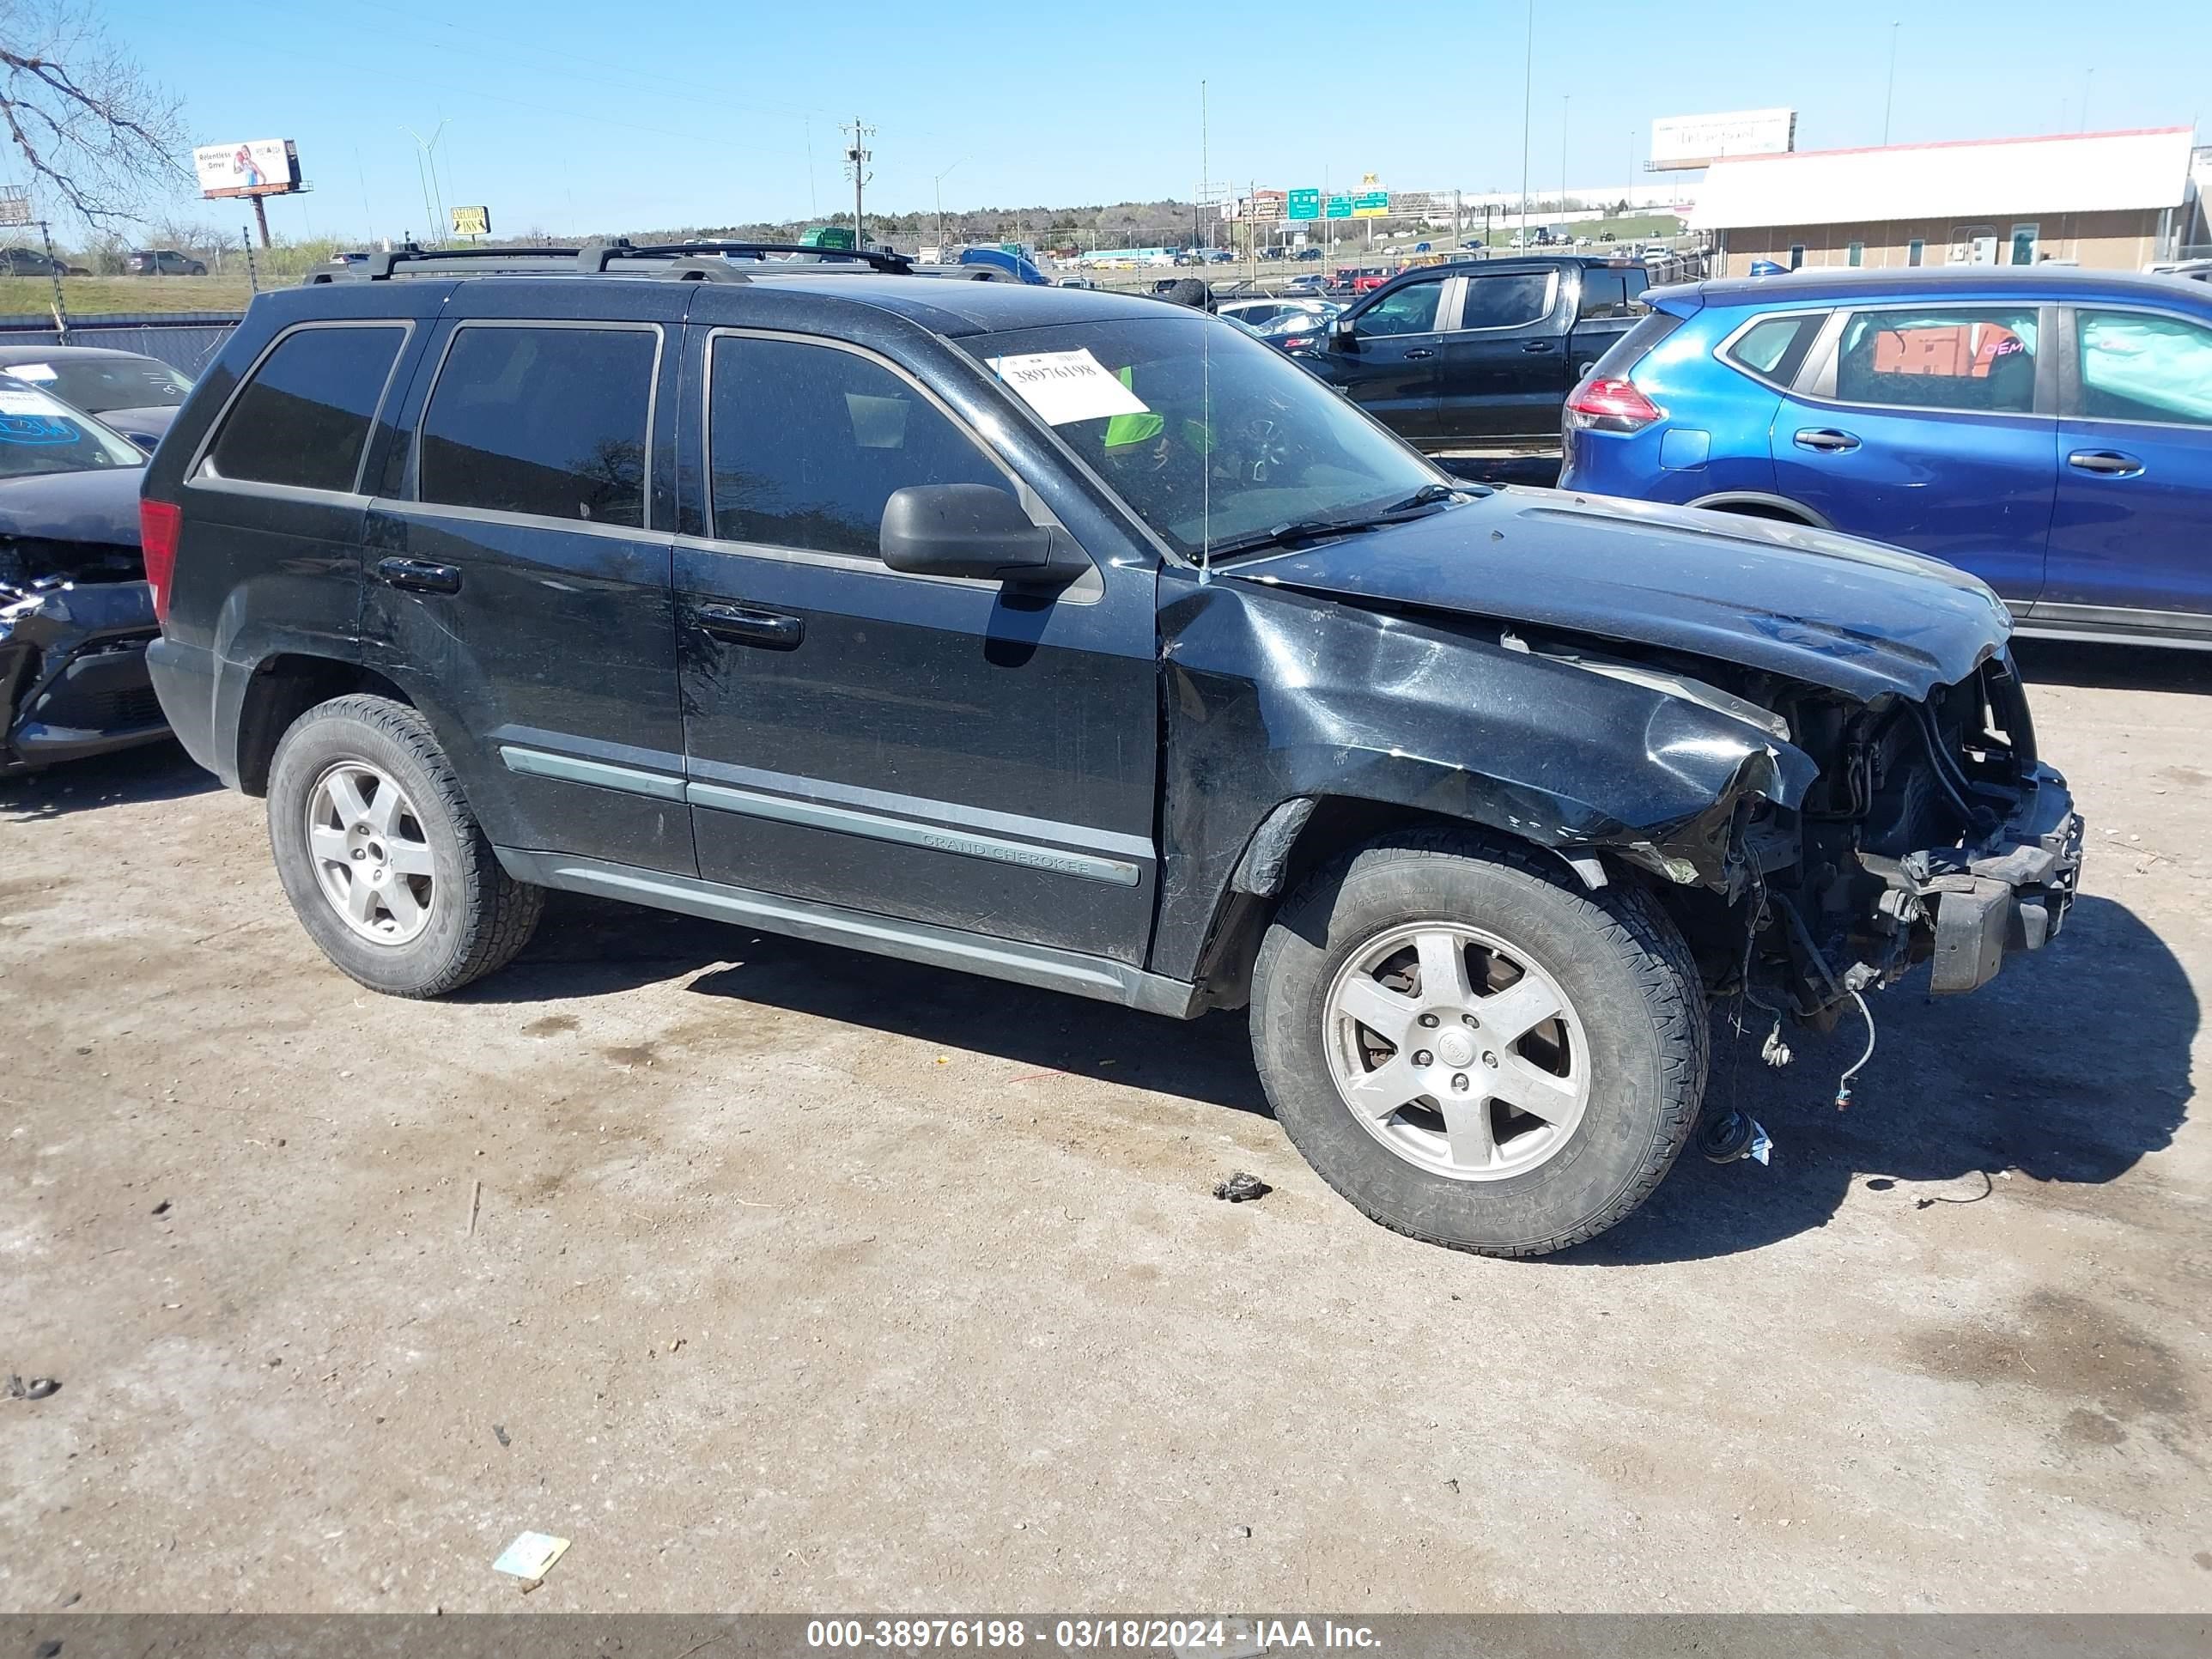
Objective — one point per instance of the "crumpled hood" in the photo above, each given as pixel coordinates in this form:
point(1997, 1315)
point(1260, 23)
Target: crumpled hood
point(1832, 610)
point(100, 505)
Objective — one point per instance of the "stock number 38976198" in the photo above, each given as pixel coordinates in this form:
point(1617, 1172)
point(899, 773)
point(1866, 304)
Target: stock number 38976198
point(1070, 1635)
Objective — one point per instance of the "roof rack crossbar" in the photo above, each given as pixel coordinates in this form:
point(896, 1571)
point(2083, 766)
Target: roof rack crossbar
point(707, 260)
point(598, 256)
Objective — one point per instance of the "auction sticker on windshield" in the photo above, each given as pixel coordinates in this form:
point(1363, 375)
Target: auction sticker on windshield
point(31, 372)
point(1066, 387)
point(24, 401)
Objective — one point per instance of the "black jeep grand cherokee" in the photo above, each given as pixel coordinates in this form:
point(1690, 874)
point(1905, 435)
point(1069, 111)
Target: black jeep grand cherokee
point(1077, 639)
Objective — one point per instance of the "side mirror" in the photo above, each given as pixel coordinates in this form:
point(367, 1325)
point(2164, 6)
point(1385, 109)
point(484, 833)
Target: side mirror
point(975, 531)
point(1343, 335)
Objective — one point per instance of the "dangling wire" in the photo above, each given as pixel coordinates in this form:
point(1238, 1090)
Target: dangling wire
point(1843, 1083)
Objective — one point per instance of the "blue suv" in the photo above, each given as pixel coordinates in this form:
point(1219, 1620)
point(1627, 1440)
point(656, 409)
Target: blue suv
point(2050, 430)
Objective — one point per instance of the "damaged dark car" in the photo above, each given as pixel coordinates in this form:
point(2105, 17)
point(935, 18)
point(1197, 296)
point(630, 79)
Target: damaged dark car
point(1065, 639)
point(76, 613)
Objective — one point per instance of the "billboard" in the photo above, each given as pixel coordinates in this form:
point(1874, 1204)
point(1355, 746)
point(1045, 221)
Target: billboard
point(257, 166)
point(1696, 140)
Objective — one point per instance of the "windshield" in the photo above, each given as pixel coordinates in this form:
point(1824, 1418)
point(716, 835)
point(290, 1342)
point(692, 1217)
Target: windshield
point(38, 435)
point(1207, 435)
point(100, 384)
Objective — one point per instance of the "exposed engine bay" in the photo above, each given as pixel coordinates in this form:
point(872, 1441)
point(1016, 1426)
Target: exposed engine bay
point(1931, 833)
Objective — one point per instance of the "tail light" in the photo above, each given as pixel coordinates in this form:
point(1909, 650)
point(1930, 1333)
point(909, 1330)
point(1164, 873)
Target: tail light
point(1611, 405)
point(160, 524)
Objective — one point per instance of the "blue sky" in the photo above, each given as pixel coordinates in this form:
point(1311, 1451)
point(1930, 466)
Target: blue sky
point(583, 114)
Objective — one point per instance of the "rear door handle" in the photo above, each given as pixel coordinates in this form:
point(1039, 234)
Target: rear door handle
point(2107, 462)
point(1417, 353)
point(743, 625)
point(1535, 345)
point(1827, 440)
point(418, 576)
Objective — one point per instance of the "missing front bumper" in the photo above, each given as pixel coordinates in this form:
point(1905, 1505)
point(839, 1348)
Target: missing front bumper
point(2012, 896)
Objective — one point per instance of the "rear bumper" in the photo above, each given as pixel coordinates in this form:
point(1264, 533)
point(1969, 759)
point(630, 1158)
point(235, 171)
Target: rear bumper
point(73, 680)
point(184, 678)
point(2011, 894)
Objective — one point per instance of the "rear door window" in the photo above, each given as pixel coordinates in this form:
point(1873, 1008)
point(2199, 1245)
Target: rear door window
point(542, 419)
point(1507, 300)
point(1607, 292)
point(806, 443)
point(1979, 359)
point(302, 420)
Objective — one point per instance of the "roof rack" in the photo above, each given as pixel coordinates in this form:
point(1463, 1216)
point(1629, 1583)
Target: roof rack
point(708, 261)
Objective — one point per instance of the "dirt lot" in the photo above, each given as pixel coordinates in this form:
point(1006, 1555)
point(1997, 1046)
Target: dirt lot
point(803, 1280)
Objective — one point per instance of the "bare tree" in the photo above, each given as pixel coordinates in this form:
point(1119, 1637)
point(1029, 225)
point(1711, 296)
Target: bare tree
point(88, 123)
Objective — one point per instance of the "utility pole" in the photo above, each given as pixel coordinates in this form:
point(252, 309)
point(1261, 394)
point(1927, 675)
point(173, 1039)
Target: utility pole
point(857, 157)
point(939, 182)
point(54, 272)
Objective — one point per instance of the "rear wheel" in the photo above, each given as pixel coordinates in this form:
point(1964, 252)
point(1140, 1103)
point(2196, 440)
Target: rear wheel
point(1475, 1050)
point(385, 865)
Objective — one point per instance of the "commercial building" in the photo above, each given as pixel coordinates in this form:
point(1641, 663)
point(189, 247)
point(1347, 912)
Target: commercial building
point(2113, 200)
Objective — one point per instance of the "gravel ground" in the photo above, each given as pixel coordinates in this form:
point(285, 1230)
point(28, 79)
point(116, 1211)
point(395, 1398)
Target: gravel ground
point(800, 1280)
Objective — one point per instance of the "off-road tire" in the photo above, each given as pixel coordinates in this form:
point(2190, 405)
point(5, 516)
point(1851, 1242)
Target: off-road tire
point(1622, 964)
point(481, 916)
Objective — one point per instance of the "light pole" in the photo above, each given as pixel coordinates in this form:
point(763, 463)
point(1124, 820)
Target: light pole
point(1889, 93)
point(428, 149)
point(939, 182)
point(1566, 100)
point(1527, 84)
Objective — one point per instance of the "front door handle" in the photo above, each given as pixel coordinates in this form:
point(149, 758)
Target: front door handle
point(418, 576)
point(1827, 440)
point(1417, 353)
point(1535, 345)
point(2106, 463)
point(743, 625)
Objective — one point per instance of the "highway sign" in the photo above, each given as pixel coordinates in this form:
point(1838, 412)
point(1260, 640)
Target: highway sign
point(1339, 207)
point(1305, 204)
point(1371, 205)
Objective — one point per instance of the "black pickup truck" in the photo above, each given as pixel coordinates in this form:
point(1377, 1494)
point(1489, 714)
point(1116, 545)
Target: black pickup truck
point(1478, 353)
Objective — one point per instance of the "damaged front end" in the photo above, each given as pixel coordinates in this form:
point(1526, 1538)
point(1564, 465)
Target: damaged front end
point(1933, 833)
point(75, 621)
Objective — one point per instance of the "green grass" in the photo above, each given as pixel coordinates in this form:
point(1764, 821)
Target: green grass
point(28, 296)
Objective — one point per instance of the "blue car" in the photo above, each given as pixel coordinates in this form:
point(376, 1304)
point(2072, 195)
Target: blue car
point(2048, 429)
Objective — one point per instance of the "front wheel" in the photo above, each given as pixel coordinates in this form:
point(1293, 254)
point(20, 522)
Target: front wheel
point(1473, 1049)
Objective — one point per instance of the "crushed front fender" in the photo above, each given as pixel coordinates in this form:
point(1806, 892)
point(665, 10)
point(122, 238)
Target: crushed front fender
point(1273, 695)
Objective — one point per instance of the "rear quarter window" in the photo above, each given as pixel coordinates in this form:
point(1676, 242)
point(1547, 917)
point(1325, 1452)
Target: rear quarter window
point(1773, 349)
point(302, 419)
point(1633, 346)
